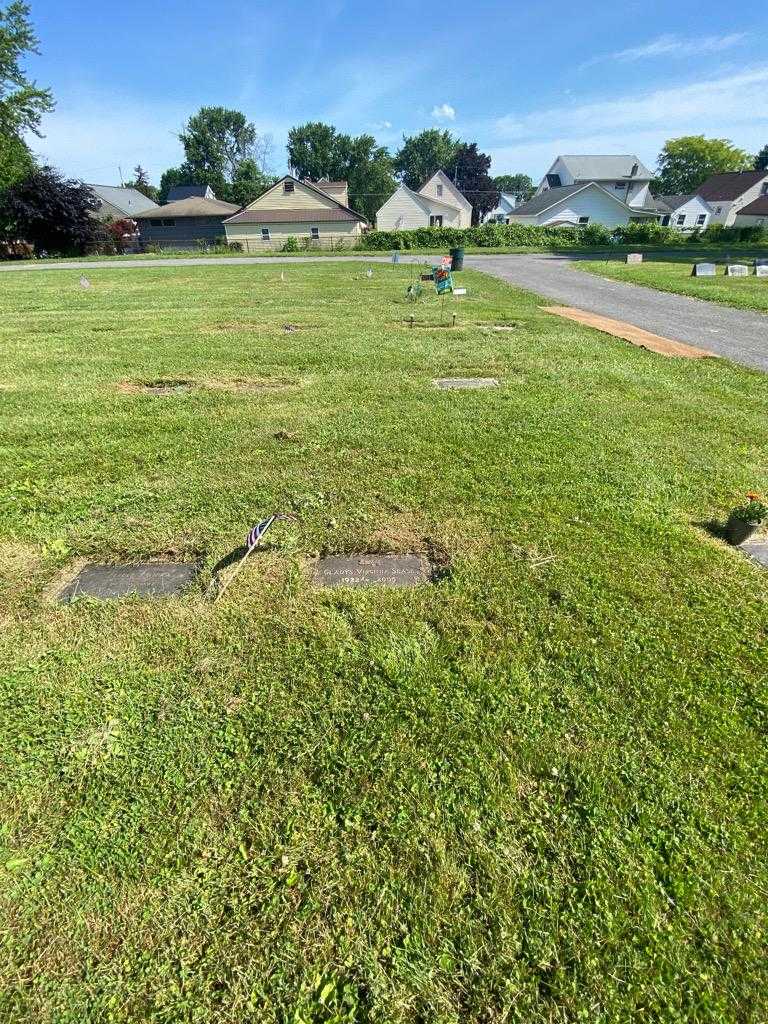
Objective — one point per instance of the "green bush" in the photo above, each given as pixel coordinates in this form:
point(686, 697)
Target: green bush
point(595, 234)
point(291, 244)
point(486, 236)
point(647, 232)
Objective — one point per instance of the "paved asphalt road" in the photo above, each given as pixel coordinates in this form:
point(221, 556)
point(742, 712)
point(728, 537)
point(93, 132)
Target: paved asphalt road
point(737, 334)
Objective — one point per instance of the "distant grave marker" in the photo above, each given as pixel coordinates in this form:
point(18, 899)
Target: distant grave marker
point(372, 571)
point(459, 291)
point(761, 268)
point(459, 383)
point(737, 270)
point(704, 270)
point(634, 257)
point(146, 579)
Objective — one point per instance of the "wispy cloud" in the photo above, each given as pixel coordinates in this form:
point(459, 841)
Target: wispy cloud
point(445, 112)
point(672, 46)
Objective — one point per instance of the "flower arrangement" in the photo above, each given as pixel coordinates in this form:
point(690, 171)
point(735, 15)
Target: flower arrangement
point(745, 519)
point(754, 510)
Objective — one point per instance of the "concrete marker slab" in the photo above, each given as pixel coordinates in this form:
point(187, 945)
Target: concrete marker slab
point(635, 335)
point(144, 579)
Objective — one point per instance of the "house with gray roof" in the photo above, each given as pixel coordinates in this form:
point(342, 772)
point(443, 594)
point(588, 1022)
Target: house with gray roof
point(190, 192)
point(185, 224)
point(684, 212)
point(730, 192)
point(623, 175)
point(577, 206)
point(117, 203)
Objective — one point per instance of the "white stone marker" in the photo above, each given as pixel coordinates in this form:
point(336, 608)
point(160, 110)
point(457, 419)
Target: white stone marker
point(737, 270)
point(634, 257)
point(704, 270)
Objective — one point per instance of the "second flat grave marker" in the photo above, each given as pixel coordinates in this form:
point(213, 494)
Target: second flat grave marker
point(372, 571)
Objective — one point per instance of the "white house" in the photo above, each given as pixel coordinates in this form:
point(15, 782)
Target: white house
point(437, 204)
point(500, 214)
point(729, 193)
point(624, 176)
point(577, 206)
point(686, 213)
point(753, 215)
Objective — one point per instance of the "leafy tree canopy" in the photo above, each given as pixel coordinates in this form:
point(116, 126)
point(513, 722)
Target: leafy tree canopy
point(686, 162)
point(421, 155)
point(469, 173)
point(519, 185)
point(50, 212)
point(249, 183)
point(761, 160)
point(16, 161)
point(22, 103)
point(317, 150)
point(142, 183)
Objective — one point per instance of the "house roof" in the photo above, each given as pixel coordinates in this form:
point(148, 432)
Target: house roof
point(554, 196)
point(128, 200)
point(757, 208)
point(604, 167)
point(673, 202)
point(304, 218)
point(259, 216)
point(445, 180)
point(194, 207)
point(730, 185)
point(189, 192)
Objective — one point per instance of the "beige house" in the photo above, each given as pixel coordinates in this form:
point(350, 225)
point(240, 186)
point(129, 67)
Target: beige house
point(316, 214)
point(437, 204)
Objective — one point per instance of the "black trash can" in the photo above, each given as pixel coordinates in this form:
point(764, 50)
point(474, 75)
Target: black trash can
point(457, 259)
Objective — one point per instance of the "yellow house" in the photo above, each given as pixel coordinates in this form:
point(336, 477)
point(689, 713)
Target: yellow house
point(314, 213)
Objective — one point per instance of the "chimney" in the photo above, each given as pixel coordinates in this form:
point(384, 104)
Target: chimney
point(339, 190)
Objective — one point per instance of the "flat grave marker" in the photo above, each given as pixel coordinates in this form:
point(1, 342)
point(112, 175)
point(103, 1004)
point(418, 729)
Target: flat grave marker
point(372, 571)
point(757, 550)
point(737, 270)
point(458, 383)
point(634, 257)
point(704, 270)
point(459, 291)
point(145, 579)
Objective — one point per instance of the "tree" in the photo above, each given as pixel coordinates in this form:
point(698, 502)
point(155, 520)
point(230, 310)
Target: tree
point(22, 103)
point(216, 140)
point(469, 173)
point(50, 212)
point(686, 162)
point(249, 183)
point(521, 186)
point(16, 161)
point(142, 183)
point(421, 155)
point(317, 150)
point(761, 160)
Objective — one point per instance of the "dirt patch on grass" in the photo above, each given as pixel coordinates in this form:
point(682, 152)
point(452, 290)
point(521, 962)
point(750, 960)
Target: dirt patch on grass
point(17, 559)
point(163, 388)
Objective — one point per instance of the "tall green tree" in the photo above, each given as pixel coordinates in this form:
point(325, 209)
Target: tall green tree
point(421, 155)
point(317, 150)
point(519, 185)
point(469, 173)
point(761, 160)
point(141, 183)
point(249, 183)
point(22, 101)
point(686, 162)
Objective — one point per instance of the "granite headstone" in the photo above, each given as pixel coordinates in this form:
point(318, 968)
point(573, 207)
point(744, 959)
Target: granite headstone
point(372, 571)
point(634, 257)
point(704, 270)
point(737, 270)
point(146, 579)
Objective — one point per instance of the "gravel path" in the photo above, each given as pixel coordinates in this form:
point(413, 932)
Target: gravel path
point(737, 334)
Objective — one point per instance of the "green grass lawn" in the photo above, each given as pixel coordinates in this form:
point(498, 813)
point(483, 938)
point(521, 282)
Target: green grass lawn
point(534, 792)
point(743, 292)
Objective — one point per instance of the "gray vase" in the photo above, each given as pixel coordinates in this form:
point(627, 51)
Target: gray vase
point(740, 530)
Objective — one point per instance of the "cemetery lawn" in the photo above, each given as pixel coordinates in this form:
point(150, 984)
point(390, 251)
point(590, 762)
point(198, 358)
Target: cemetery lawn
point(533, 792)
point(742, 292)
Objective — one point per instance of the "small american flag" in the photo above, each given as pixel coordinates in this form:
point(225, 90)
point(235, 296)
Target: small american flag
point(258, 531)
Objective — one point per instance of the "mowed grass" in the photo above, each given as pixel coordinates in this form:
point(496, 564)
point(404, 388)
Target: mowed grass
point(533, 792)
point(742, 292)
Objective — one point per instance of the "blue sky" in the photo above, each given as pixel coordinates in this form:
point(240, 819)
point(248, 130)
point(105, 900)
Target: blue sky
point(525, 81)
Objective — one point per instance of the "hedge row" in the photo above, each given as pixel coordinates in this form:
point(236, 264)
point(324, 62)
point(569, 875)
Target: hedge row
point(513, 236)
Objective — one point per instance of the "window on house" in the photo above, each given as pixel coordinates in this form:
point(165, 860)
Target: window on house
point(314, 233)
point(287, 186)
point(621, 185)
point(665, 220)
point(439, 190)
point(169, 223)
point(583, 220)
point(680, 219)
point(436, 221)
point(265, 234)
point(701, 220)
point(156, 223)
point(718, 209)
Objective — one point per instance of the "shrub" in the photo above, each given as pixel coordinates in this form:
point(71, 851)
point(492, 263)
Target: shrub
point(291, 244)
point(235, 246)
point(647, 232)
point(595, 234)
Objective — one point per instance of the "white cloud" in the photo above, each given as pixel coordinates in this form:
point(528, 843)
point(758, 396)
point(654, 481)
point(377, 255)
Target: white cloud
point(445, 112)
point(730, 106)
point(382, 125)
point(673, 46)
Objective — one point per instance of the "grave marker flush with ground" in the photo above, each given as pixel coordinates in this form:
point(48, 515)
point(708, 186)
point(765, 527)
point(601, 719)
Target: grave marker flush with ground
point(146, 579)
point(372, 571)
